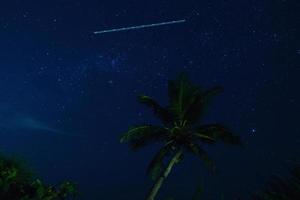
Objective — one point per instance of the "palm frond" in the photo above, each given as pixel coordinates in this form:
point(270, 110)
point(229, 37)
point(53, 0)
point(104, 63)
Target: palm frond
point(201, 153)
point(199, 103)
point(174, 87)
point(140, 136)
point(204, 138)
point(217, 132)
point(187, 101)
point(282, 188)
point(162, 113)
point(157, 163)
point(211, 93)
point(181, 95)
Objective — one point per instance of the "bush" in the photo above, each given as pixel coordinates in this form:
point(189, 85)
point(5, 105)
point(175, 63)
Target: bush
point(16, 183)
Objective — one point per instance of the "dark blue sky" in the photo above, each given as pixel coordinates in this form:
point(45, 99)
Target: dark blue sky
point(53, 69)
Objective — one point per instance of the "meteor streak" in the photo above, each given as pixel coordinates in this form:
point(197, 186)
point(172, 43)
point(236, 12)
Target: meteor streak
point(140, 26)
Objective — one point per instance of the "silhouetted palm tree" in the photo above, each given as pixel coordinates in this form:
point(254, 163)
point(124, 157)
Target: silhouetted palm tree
point(181, 131)
point(282, 188)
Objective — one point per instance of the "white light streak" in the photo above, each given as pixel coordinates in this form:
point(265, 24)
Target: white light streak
point(140, 26)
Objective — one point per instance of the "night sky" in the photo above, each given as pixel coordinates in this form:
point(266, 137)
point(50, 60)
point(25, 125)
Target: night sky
point(55, 72)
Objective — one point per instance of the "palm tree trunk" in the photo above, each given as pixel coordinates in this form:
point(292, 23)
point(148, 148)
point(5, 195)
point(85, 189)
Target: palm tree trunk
point(154, 190)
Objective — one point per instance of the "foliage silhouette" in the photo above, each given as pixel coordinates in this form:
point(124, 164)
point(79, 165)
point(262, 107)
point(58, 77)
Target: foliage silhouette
point(181, 131)
point(16, 183)
point(282, 188)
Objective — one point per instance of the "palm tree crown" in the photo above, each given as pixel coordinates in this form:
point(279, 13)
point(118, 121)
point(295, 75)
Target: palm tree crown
point(182, 130)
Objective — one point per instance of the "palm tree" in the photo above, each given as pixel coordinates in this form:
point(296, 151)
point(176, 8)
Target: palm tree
point(180, 131)
point(282, 188)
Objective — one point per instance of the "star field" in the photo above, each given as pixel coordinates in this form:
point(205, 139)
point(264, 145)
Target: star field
point(54, 68)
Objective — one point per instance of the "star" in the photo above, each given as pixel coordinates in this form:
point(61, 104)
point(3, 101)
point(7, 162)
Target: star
point(253, 130)
point(111, 82)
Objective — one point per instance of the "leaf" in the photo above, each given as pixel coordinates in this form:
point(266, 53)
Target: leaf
point(218, 132)
point(282, 188)
point(40, 189)
point(140, 136)
point(135, 132)
point(187, 101)
point(180, 93)
point(204, 138)
point(162, 113)
point(201, 153)
point(67, 189)
point(199, 102)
